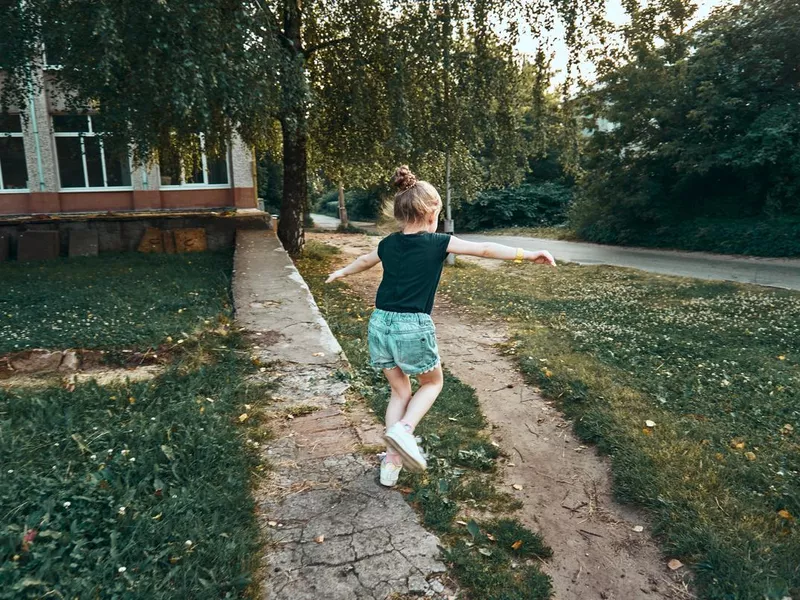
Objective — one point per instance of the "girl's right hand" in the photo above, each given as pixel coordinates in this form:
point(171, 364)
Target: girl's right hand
point(543, 257)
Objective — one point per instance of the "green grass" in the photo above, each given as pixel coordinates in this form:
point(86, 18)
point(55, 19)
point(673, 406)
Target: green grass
point(113, 300)
point(137, 490)
point(716, 366)
point(550, 233)
point(461, 465)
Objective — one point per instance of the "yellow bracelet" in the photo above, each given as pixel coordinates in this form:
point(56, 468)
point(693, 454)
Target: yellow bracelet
point(520, 254)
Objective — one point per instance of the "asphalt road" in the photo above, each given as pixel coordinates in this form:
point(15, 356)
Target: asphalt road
point(773, 272)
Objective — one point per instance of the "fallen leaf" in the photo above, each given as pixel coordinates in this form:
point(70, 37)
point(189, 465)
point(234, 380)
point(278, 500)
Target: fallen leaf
point(318, 354)
point(319, 539)
point(290, 417)
point(473, 529)
point(785, 514)
point(638, 529)
point(674, 564)
point(516, 545)
point(646, 430)
point(491, 537)
point(461, 522)
point(781, 357)
point(737, 444)
point(517, 486)
point(485, 551)
point(452, 419)
point(650, 423)
point(749, 455)
point(511, 465)
point(787, 429)
point(243, 417)
point(272, 523)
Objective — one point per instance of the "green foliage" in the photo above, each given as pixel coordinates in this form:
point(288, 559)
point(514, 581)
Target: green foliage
point(461, 460)
point(757, 237)
point(362, 205)
point(702, 127)
point(270, 183)
point(529, 205)
point(714, 365)
point(113, 300)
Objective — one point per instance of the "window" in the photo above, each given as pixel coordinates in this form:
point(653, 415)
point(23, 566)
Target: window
point(83, 160)
point(13, 168)
point(205, 171)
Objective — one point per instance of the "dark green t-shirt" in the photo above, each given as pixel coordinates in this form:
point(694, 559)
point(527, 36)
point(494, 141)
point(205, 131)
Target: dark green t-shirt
point(412, 266)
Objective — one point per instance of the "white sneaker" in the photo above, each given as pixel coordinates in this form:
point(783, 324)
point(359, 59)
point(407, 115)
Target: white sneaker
point(405, 444)
point(389, 473)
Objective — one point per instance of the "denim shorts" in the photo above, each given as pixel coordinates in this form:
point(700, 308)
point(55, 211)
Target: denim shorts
point(405, 340)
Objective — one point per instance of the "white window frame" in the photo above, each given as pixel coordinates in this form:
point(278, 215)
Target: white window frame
point(15, 134)
point(200, 186)
point(84, 134)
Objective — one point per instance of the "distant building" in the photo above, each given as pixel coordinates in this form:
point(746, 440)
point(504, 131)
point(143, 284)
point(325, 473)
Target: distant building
point(55, 162)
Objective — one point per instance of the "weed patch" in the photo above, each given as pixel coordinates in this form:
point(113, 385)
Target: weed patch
point(461, 460)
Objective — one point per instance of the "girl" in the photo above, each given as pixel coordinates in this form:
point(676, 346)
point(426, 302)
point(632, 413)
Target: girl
point(401, 335)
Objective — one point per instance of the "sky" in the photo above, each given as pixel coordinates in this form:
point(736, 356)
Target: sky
point(616, 14)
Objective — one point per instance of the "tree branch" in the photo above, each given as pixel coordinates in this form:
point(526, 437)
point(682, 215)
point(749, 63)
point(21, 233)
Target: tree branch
point(273, 25)
point(327, 44)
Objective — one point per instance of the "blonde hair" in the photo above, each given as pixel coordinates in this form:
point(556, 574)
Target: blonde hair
point(415, 199)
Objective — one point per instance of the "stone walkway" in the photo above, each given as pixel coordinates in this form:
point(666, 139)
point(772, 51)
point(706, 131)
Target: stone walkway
point(335, 532)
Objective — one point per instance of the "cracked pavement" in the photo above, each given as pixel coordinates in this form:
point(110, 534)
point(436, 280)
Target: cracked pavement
point(334, 531)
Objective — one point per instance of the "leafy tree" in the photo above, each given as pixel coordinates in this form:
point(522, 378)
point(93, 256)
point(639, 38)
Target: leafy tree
point(354, 86)
point(705, 126)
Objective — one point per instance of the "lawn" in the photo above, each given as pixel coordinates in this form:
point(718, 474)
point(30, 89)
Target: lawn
point(461, 477)
point(550, 233)
point(136, 490)
point(110, 301)
point(692, 387)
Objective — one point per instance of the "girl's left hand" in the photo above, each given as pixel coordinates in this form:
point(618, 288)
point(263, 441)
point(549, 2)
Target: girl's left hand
point(334, 276)
point(543, 257)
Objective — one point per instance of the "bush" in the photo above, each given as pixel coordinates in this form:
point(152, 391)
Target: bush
point(757, 237)
point(529, 205)
point(362, 205)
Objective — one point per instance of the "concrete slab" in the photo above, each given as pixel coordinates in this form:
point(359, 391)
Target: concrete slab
point(272, 299)
point(83, 243)
point(337, 533)
point(38, 245)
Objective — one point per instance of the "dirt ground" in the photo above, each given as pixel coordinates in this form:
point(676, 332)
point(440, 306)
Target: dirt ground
point(566, 486)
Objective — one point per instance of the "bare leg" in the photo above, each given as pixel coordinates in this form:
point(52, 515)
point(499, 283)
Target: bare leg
point(398, 402)
point(430, 386)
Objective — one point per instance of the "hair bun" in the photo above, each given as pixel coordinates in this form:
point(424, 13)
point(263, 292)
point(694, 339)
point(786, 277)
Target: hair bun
point(404, 178)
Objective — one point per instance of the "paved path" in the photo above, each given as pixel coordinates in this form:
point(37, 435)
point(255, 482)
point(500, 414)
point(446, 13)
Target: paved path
point(326, 222)
point(775, 272)
point(335, 532)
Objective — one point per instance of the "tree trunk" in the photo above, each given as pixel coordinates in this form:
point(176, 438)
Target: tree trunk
point(342, 207)
point(295, 134)
point(290, 227)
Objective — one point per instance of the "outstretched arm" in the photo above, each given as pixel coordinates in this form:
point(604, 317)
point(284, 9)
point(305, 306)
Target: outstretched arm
point(499, 251)
point(362, 263)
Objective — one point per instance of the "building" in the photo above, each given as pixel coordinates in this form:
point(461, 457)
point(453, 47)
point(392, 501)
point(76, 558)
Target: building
point(54, 162)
